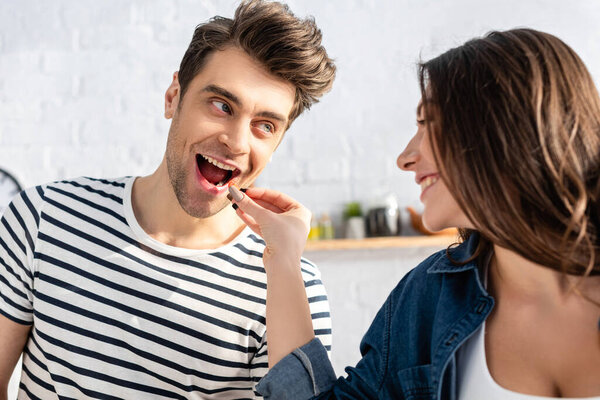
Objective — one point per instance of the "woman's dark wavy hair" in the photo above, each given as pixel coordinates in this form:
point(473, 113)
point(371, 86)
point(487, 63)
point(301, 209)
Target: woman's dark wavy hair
point(287, 46)
point(518, 145)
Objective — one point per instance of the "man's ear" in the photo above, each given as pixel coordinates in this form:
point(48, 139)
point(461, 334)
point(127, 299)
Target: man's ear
point(172, 97)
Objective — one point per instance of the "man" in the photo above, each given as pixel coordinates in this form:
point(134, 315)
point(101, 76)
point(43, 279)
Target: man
point(153, 287)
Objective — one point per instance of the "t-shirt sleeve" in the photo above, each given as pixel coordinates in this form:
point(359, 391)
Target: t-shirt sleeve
point(18, 233)
point(318, 303)
point(321, 319)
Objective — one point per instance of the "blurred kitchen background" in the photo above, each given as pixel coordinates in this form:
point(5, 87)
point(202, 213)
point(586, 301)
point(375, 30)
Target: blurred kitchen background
point(82, 85)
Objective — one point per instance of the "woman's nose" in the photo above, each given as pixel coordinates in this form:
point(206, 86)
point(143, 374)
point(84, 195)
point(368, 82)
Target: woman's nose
point(408, 158)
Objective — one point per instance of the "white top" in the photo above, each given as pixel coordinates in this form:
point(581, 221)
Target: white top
point(474, 379)
point(117, 314)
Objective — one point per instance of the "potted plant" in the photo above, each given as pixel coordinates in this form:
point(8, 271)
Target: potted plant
point(355, 223)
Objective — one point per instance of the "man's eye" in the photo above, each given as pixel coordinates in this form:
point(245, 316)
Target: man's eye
point(222, 106)
point(420, 122)
point(266, 127)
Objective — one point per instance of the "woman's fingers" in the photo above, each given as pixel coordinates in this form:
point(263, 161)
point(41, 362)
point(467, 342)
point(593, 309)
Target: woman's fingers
point(281, 221)
point(246, 204)
point(273, 197)
point(242, 204)
point(268, 206)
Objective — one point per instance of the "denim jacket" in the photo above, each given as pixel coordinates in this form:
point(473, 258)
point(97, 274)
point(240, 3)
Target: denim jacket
point(409, 351)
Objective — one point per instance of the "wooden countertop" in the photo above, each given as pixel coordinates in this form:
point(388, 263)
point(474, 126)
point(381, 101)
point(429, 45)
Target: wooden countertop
point(440, 240)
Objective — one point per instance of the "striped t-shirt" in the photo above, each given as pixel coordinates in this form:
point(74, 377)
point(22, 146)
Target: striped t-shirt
point(117, 314)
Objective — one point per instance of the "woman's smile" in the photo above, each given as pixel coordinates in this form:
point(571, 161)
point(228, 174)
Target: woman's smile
point(426, 182)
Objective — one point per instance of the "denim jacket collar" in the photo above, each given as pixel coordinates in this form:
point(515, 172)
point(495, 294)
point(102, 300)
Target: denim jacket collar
point(461, 252)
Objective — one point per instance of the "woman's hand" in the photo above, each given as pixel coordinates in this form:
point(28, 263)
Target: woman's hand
point(284, 224)
point(280, 220)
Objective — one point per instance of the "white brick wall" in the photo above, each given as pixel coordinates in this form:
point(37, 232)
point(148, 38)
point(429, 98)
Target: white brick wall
point(82, 84)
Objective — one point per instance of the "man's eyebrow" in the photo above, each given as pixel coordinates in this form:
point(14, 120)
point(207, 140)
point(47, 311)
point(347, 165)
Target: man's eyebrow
point(223, 92)
point(272, 115)
point(230, 96)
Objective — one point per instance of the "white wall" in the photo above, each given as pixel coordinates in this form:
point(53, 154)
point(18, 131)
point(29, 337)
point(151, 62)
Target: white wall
point(82, 83)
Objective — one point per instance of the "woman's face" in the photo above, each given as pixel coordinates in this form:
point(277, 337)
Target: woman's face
point(440, 209)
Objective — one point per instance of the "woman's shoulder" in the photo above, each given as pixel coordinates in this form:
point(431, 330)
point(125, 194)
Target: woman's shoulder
point(419, 277)
point(425, 280)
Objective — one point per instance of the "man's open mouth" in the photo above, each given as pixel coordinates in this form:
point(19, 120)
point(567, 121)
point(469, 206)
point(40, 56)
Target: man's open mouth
point(215, 172)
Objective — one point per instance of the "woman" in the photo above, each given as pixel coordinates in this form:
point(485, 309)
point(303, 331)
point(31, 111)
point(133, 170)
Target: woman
point(508, 150)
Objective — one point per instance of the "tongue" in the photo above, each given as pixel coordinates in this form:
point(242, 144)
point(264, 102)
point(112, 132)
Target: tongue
point(211, 173)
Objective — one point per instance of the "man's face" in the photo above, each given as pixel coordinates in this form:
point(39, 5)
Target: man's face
point(232, 117)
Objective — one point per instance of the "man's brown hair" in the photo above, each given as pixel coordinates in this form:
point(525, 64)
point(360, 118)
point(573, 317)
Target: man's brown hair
point(518, 144)
point(287, 46)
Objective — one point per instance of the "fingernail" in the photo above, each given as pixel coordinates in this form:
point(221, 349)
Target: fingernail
point(235, 206)
point(235, 193)
point(229, 197)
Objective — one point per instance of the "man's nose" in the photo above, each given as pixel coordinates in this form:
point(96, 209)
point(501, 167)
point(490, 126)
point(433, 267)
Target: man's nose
point(237, 137)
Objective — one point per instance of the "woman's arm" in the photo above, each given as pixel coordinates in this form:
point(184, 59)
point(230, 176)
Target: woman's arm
point(299, 365)
point(283, 223)
point(289, 324)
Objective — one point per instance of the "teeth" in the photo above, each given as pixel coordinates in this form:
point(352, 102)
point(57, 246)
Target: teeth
point(218, 164)
point(430, 180)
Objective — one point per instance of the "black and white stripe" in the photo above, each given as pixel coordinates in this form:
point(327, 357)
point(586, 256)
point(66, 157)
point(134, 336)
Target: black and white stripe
point(116, 314)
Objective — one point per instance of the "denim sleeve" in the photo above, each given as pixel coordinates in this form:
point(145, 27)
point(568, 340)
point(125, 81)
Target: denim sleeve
point(307, 373)
point(302, 374)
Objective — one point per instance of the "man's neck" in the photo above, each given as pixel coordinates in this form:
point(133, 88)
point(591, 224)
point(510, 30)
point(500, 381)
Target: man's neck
point(158, 212)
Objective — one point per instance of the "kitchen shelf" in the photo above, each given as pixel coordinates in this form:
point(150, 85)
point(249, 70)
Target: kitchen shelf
point(439, 240)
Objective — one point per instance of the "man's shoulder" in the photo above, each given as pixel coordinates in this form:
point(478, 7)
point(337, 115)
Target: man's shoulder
point(109, 185)
point(86, 187)
point(82, 188)
point(252, 244)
